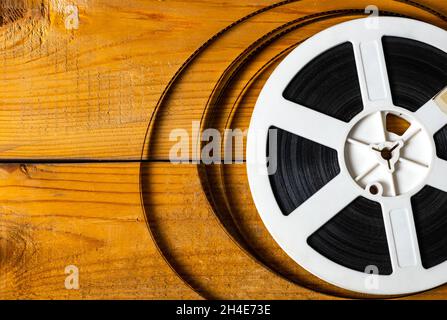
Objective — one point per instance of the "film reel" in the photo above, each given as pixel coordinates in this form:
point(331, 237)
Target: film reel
point(341, 191)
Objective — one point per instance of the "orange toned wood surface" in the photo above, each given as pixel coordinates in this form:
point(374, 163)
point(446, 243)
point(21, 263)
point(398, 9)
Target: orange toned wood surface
point(154, 230)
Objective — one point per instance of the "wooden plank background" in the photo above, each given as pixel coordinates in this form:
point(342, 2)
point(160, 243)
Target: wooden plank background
point(88, 94)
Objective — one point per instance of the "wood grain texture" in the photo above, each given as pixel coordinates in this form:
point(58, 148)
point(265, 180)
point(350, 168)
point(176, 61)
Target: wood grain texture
point(89, 93)
point(89, 216)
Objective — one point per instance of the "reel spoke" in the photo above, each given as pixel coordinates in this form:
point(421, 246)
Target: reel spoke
point(371, 68)
point(310, 216)
point(401, 234)
point(307, 123)
point(432, 116)
point(438, 177)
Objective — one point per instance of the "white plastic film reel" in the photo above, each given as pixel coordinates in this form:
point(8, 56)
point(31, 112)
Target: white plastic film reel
point(291, 232)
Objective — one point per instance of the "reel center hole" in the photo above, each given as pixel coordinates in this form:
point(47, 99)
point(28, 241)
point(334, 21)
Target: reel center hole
point(386, 154)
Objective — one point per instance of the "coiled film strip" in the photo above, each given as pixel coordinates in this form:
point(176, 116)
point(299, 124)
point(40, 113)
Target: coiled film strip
point(214, 100)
